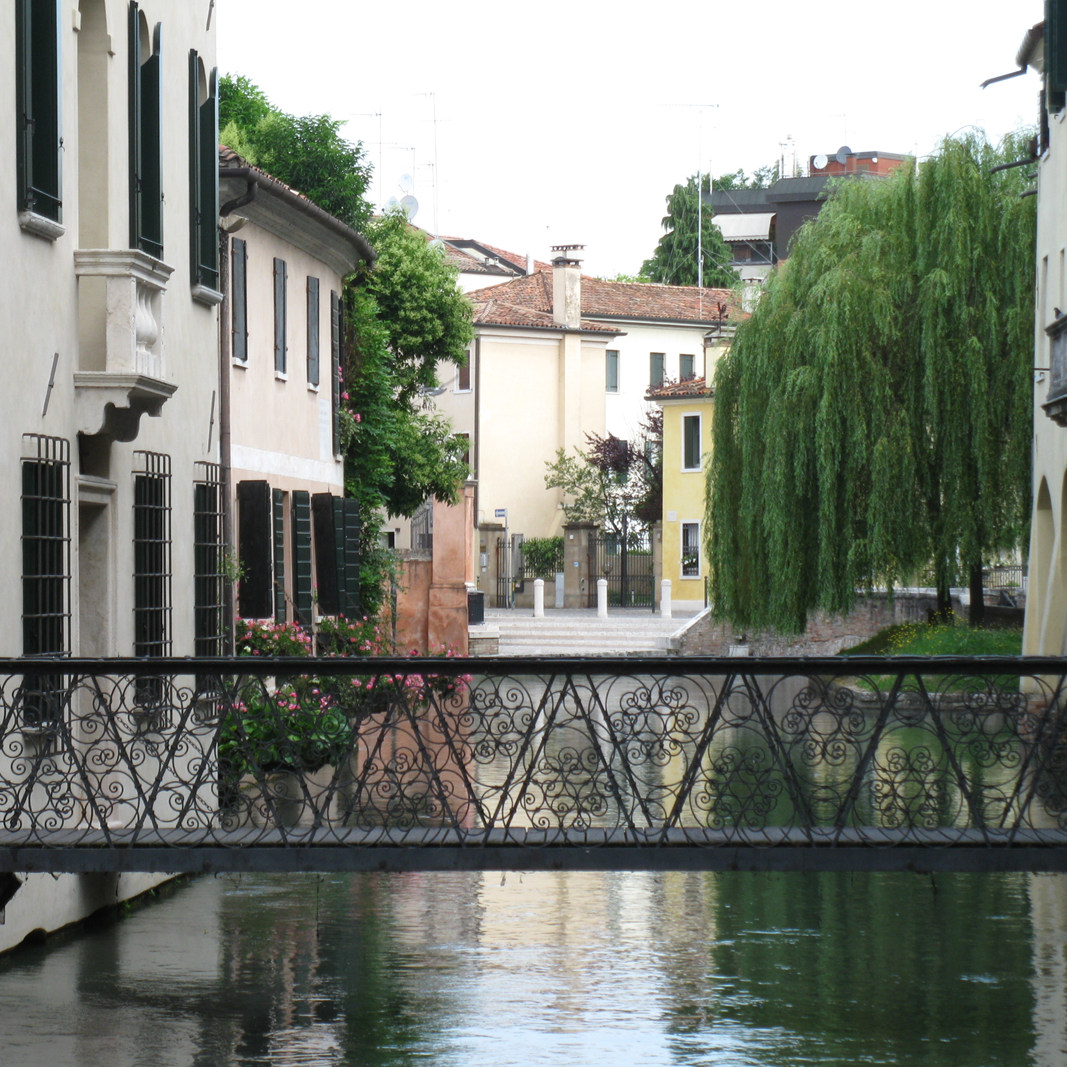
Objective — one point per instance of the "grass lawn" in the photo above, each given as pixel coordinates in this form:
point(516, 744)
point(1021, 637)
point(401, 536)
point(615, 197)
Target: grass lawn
point(922, 639)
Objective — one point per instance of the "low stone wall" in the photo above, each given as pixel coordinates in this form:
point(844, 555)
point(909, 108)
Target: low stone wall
point(826, 634)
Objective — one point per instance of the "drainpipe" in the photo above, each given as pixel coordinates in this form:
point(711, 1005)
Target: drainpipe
point(477, 427)
point(225, 478)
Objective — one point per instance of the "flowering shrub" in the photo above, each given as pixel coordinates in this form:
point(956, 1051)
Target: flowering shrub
point(309, 721)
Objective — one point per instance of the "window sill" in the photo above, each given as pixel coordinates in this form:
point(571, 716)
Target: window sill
point(692, 470)
point(208, 297)
point(40, 226)
point(689, 577)
point(461, 391)
point(312, 388)
point(281, 376)
point(242, 363)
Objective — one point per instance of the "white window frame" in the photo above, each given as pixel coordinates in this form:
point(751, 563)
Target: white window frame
point(700, 441)
point(681, 554)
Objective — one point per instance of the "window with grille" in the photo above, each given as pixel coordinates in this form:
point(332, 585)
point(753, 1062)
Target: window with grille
point(208, 622)
point(151, 554)
point(690, 549)
point(37, 102)
point(45, 571)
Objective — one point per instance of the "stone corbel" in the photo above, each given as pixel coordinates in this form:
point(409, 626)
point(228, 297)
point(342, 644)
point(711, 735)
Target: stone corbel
point(113, 404)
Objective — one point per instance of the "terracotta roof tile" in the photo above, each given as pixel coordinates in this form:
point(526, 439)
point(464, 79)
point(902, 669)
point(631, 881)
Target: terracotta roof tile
point(622, 300)
point(693, 387)
point(500, 313)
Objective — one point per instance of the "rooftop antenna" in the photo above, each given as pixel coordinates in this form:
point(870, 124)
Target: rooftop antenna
point(433, 97)
point(378, 176)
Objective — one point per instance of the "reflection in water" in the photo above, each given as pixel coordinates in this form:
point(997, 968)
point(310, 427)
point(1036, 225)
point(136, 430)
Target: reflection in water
point(472, 970)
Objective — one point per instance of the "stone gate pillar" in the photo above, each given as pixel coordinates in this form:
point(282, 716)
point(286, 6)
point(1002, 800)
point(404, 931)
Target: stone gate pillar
point(577, 574)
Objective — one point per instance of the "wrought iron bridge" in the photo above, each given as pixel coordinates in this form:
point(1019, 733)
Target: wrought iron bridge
point(601, 763)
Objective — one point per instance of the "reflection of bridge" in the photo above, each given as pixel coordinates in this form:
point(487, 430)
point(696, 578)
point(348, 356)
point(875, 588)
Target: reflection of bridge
point(346, 764)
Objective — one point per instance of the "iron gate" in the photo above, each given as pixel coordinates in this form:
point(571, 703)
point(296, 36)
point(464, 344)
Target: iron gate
point(509, 570)
point(626, 565)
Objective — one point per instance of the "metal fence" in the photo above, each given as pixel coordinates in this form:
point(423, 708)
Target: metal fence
point(606, 763)
point(627, 567)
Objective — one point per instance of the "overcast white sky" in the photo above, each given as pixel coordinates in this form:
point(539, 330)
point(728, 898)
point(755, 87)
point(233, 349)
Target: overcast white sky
point(569, 121)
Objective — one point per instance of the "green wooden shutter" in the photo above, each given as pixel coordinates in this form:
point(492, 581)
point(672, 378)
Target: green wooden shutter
point(209, 185)
point(325, 553)
point(239, 300)
point(313, 331)
point(346, 548)
point(302, 597)
point(335, 368)
point(152, 149)
point(134, 100)
point(1056, 52)
point(255, 599)
point(278, 513)
point(280, 279)
point(37, 91)
point(194, 166)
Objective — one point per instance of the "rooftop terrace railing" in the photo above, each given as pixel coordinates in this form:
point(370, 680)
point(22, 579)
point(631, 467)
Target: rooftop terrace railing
point(602, 763)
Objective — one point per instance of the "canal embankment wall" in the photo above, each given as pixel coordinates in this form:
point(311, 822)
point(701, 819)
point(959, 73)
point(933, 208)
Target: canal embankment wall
point(826, 634)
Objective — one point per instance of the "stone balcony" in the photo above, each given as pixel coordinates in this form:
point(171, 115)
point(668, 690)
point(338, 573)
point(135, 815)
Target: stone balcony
point(121, 371)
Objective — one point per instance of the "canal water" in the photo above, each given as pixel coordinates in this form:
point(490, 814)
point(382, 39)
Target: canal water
point(468, 970)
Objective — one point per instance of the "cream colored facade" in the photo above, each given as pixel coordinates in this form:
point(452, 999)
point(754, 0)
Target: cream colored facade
point(110, 371)
point(1046, 605)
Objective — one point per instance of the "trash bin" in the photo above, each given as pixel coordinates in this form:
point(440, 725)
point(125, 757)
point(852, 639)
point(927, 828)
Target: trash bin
point(475, 608)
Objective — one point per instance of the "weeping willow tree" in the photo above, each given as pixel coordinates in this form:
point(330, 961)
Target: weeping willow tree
point(873, 419)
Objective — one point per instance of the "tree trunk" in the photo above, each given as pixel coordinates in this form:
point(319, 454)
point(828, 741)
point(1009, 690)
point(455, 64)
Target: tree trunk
point(977, 612)
point(942, 616)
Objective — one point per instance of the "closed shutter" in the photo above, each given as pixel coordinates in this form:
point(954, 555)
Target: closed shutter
point(37, 100)
point(337, 556)
point(239, 300)
point(1056, 52)
point(278, 521)
point(302, 556)
point(255, 599)
point(313, 331)
point(203, 178)
point(350, 594)
point(280, 280)
point(146, 142)
point(325, 553)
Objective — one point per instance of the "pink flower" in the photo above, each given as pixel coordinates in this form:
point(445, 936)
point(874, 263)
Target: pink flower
point(359, 418)
point(344, 396)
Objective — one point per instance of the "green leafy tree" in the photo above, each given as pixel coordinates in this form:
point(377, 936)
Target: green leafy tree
point(306, 152)
point(761, 178)
point(873, 417)
point(426, 316)
point(674, 262)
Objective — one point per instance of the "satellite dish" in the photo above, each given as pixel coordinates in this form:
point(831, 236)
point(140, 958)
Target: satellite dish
point(819, 162)
point(410, 206)
point(392, 203)
point(437, 243)
point(842, 154)
point(405, 183)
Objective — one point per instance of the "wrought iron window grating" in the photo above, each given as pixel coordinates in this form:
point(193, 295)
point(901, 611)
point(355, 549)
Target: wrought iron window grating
point(208, 589)
point(46, 570)
point(152, 568)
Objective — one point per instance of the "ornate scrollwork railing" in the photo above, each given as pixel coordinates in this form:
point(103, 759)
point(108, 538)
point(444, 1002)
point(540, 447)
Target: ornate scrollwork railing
point(180, 764)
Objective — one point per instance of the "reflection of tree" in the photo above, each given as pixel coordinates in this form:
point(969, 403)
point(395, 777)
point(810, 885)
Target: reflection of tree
point(842, 967)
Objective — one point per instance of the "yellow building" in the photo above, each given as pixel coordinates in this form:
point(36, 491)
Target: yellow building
point(687, 407)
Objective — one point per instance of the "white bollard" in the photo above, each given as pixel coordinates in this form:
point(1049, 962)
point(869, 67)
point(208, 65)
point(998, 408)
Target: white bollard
point(601, 598)
point(665, 598)
point(539, 598)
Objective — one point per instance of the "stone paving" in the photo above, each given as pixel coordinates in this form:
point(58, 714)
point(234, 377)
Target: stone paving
point(578, 631)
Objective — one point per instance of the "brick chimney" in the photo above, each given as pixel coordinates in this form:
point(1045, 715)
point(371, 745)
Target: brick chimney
point(567, 286)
